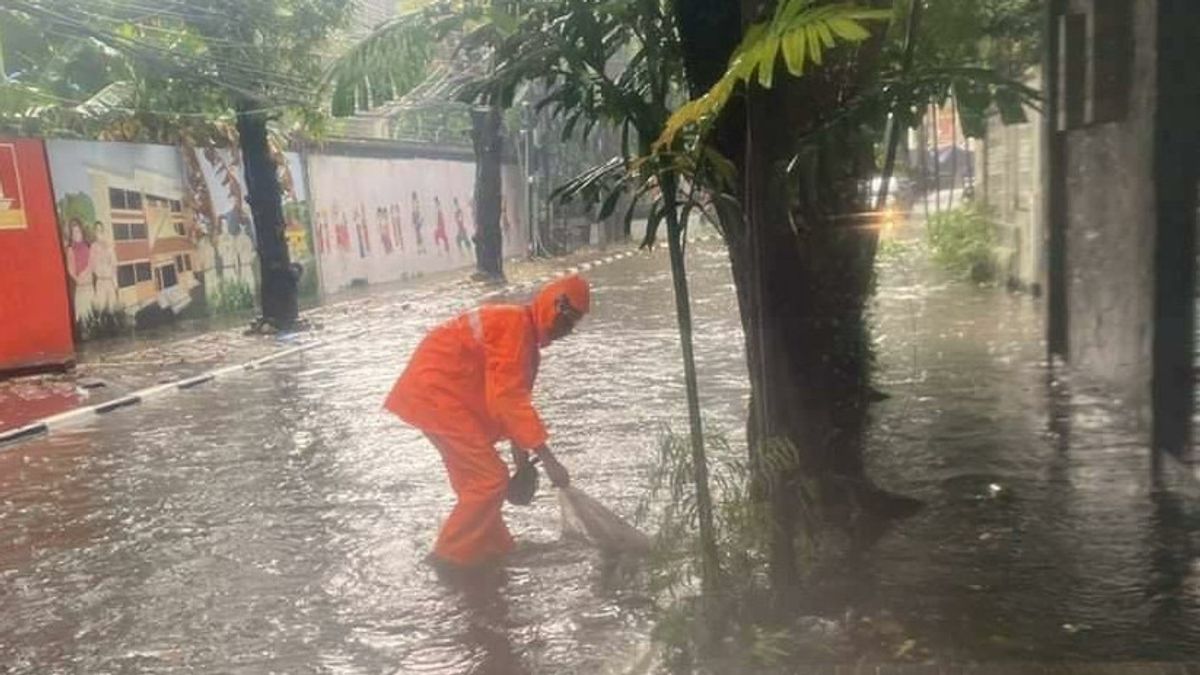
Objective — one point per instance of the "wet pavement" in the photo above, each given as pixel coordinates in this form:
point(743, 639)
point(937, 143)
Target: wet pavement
point(112, 368)
point(1045, 536)
point(276, 522)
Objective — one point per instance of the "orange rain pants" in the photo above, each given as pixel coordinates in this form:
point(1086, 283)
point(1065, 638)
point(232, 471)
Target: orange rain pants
point(469, 385)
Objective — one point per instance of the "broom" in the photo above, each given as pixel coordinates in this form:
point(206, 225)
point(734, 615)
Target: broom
point(584, 518)
point(587, 520)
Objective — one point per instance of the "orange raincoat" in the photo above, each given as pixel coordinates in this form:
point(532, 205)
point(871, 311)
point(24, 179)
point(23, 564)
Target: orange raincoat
point(469, 385)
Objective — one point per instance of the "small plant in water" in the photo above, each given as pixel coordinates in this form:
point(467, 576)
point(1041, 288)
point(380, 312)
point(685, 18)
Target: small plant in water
point(743, 636)
point(963, 241)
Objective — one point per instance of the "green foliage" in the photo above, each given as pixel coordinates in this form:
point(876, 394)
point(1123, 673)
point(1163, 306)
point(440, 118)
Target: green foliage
point(231, 296)
point(891, 249)
point(116, 70)
point(800, 32)
point(963, 241)
point(976, 51)
point(741, 491)
point(77, 205)
point(389, 62)
point(104, 324)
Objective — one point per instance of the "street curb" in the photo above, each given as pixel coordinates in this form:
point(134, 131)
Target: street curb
point(76, 416)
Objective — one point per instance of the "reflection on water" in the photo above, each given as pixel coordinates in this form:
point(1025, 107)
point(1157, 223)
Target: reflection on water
point(1044, 535)
point(278, 522)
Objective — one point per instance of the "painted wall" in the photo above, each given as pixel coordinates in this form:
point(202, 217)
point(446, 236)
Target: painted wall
point(297, 211)
point(131, 245)
point(156, 233)
point(222, 228)
point(216, 182)
point(35, 314)
point(379, 220)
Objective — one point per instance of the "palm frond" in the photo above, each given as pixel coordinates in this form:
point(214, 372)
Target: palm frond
point(799, 33)
point(385, 65)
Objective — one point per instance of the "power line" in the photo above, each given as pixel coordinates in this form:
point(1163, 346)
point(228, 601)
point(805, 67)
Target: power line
point(229, 67)
point(159, 113)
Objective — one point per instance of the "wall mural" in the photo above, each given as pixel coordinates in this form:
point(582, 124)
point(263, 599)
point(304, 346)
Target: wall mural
point(227, 260)
point(130, 245)
point(155, 233)
point(297, 214)
point(380, 220)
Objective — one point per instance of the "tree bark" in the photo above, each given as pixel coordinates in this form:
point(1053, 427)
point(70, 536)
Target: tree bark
point(803, 266)
point(488, 239)
point(280, 306)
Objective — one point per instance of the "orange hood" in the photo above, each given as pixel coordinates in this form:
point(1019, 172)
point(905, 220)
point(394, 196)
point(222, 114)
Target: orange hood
point(578, 294)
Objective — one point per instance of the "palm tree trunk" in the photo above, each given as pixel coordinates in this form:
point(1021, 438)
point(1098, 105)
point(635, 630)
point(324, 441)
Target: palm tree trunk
point(488, 240)
point(280, 306)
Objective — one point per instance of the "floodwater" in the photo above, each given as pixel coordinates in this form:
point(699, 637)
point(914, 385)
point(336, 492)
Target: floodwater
point(1045, 536)
point(277, 522)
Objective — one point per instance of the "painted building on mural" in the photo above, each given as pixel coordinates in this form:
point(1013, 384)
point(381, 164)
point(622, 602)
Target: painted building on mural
point(127, 239)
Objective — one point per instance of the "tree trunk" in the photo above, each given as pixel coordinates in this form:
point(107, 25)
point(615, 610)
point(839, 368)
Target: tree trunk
point(280, 306)
point(488, 239)
point(806, 263)
point(803, 267)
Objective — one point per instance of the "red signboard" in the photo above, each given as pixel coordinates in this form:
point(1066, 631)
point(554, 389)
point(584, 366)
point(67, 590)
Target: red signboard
point(35, 315)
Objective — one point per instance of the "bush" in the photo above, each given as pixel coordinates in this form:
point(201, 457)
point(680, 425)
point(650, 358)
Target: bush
point(748, 638)
point(963, 241)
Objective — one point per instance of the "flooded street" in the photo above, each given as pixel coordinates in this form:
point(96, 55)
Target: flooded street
point(1043, 538)
point(276, 522)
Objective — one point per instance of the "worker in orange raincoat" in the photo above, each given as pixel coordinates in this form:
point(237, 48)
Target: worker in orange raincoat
point(469, 385)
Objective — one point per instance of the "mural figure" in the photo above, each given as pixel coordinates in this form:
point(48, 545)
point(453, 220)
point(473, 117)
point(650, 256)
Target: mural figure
point(397, 225)
point(461, 238)
point(362, 232)
point(341, 231)
point(439, 233)
point(385, 229)
point(206, 261)
point(104, 267)
point(322, 233)
point(244, 247)
point(79, 268)
point(226, 251)
point(418, 222)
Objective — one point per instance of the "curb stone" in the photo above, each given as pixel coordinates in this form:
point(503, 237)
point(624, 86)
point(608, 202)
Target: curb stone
point(79, 415)
point(76, 416)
